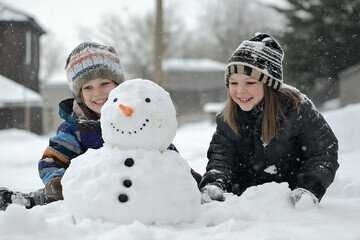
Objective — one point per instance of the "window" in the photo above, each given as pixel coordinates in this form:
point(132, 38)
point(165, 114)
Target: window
point(28, 48)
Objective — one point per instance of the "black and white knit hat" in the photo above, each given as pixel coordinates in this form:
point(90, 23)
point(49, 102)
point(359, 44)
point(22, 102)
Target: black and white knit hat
point(89, 61)
point(260, 58)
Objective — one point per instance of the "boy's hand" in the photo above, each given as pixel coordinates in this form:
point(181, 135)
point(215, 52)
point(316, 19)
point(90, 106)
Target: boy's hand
point(303, 199)
point(53, 190)
point(212, 192)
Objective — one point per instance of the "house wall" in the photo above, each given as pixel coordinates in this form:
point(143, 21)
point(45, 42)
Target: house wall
point(13, 62)
point(190, 91)
point(15, 117)
point(52, 95)
point(198, 81)
point(191, 101)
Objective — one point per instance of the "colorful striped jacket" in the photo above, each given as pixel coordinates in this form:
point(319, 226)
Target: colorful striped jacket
point(73, 138)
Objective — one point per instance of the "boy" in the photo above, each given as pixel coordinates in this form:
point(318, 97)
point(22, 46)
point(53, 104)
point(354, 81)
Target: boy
point(93, 70)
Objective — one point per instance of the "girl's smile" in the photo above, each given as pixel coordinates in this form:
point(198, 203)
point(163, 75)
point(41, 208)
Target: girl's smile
point(245, 91)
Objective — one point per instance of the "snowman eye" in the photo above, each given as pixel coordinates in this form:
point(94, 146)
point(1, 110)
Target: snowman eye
point(147, 100)
point(115, 100)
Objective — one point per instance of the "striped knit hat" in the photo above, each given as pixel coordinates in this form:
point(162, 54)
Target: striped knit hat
point(89, 61)
point(260, 58)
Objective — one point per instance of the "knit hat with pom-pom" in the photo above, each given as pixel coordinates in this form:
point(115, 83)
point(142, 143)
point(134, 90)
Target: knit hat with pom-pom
point(90, 61)
point(260, 58)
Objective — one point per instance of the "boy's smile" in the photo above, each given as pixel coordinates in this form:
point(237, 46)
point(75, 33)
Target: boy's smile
point(95, 93)
point(99, 102)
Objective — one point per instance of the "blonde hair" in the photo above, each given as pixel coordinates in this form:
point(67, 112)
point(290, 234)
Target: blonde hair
point(272, 110)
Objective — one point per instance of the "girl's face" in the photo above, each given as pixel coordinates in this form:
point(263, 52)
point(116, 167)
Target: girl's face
point(95, 93)
point(245, 91)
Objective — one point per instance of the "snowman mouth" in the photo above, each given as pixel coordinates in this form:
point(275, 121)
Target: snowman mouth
point(131, 131)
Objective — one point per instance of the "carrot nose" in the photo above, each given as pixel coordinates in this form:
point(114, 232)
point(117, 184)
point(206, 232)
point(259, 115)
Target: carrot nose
point(126, 110)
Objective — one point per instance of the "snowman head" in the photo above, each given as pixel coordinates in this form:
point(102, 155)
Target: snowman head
point(138, 114)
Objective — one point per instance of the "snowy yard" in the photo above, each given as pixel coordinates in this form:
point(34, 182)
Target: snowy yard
point(260, 213)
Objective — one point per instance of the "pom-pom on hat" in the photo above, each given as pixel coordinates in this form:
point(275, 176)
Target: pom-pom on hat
point(260, 58)
point(89, 61)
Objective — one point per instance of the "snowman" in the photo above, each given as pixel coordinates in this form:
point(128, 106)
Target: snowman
point(134, 177)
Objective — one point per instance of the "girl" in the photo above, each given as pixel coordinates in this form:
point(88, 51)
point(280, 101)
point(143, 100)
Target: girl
point(268, 131)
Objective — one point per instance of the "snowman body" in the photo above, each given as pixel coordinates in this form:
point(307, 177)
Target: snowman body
point(133, 176)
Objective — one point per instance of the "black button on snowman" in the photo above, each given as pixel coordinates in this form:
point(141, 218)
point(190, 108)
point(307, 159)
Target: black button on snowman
point(127, 183)
point(129, 162)
point(123, 198)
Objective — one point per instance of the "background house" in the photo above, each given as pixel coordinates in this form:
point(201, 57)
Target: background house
point(20, 107)
point(19, 47)
point(191, 82)
point(19, 62)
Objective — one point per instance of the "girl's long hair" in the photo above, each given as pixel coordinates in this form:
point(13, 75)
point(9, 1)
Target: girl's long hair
point(272, 110)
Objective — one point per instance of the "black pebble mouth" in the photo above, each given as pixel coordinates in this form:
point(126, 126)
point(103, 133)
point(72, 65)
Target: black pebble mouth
point(130, 132)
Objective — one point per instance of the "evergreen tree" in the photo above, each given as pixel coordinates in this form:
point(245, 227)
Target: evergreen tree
point(322, 39)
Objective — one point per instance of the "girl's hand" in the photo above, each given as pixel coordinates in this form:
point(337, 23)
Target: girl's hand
point(212, 192)
point(303, 199)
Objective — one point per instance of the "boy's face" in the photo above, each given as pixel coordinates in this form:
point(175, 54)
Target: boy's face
point(95, 93)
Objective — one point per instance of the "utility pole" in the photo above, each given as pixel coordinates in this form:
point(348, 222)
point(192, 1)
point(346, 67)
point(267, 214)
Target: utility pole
point(158, 42)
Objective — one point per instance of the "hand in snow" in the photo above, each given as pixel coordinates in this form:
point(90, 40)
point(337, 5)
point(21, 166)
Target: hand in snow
point(53, 190)
point(5, 198)
point(212, 192)
point(303, 199)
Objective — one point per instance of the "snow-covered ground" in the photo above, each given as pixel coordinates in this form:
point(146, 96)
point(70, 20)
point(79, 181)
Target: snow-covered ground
point(260, 213)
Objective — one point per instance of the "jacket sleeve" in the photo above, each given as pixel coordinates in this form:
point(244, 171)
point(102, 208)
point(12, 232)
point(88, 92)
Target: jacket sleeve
point(319, 148)
point(221, 152)
point(62, 148)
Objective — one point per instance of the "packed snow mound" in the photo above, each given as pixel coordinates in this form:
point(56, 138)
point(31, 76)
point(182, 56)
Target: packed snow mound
point(19, 147)
point(18, 134)
point(256, 203)
point(261, 212)
point(131, 185)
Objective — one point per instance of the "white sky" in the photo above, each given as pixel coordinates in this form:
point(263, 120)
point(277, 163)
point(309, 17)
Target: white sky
point(64, 18)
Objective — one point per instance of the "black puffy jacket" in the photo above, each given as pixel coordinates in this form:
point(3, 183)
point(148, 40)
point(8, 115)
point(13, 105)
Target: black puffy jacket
point(303, 153)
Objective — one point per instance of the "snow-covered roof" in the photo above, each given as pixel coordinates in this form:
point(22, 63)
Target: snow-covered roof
point(9, 14)
point(192, 64)
point(13, 93)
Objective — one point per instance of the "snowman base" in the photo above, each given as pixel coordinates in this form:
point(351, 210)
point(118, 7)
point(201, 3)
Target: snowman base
point(134, 192)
